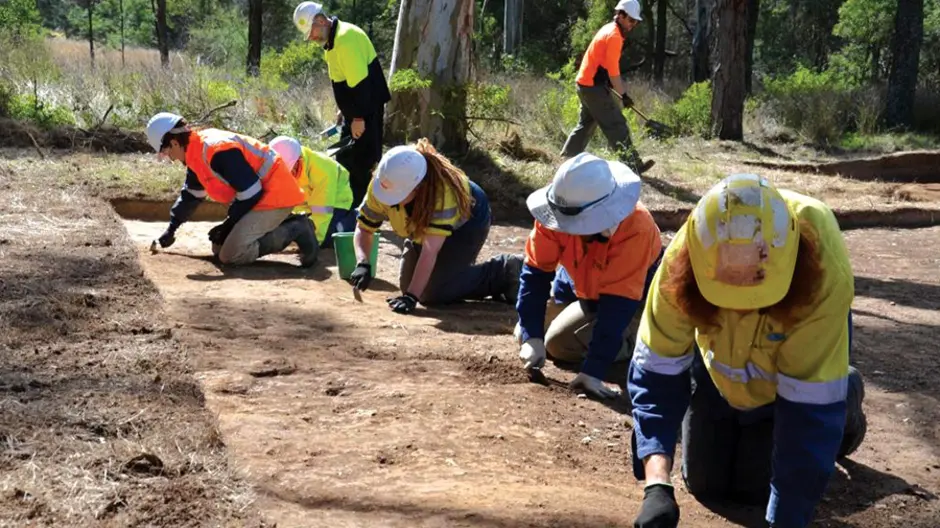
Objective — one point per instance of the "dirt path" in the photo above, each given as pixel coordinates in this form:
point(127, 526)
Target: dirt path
point(345, 414)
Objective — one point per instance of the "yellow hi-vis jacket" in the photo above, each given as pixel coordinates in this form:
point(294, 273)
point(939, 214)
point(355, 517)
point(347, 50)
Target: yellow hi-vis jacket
point(751, 357)
point(326, 187)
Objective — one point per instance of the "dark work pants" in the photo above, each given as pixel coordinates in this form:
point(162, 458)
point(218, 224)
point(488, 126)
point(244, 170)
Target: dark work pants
point(364, 155)
point(727, 453)
point(455, 276)
point(600, 109)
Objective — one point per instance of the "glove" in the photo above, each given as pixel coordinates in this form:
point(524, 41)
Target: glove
point(168, 238)
point(361, 277)
point(627, 100)
point(593, 386)
point(660, 509)
point(219, 233)
point(533, 354)
point(404, 304)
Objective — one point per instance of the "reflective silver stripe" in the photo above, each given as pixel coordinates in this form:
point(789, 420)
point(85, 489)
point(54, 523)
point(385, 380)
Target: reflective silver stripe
point(249, 192)
point(269, 157)
point(739, 375)
point(369, 213)
point(650, 361)
point(813, 392)
point(205, 159)
point(196, 193)
point(445, 214)
point(324, 209)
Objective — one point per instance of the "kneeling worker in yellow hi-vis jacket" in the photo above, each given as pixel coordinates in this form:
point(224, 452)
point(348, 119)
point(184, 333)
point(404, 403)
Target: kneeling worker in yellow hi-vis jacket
point(752, 302)
point(328, 199)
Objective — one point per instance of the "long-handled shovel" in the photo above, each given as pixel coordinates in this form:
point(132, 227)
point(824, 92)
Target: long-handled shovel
point(655, 129)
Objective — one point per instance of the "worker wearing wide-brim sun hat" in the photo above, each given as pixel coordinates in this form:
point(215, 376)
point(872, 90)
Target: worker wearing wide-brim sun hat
point(243, 173)
point(444, 218)
point(600, 246)
point(753, 297)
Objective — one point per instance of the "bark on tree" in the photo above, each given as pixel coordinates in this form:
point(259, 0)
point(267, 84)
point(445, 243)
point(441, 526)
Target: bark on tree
point(701, 69)
point(728, 84)
point(161, 29)
point(91, 32)
point(753, 11)
point(512, 26)
point(433, 38)
point(255, 14)
point(660, 64)
point(905, 46)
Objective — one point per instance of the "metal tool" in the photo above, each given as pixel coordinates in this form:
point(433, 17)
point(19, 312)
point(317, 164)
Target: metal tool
point(656, 129)
point(357, 294)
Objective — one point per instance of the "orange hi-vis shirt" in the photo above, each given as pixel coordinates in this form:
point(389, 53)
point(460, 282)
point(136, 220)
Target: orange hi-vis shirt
point(618, 267)
point(602, 59)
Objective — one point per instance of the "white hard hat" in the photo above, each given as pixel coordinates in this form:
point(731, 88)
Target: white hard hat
point(304, 14)
point(161, 125)
point(400, 170)
point(631, 8)
point(287, 148)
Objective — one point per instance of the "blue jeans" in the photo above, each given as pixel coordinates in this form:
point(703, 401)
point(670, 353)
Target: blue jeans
point(343, 221)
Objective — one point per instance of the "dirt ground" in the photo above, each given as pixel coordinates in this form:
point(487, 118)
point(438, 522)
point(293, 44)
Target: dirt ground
point(346, 414)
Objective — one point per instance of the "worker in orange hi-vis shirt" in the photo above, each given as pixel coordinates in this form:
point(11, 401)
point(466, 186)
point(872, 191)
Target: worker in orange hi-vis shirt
point(600, 71)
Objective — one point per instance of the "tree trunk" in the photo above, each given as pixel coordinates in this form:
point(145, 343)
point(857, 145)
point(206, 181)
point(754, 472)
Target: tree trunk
point(753, 12)
point(660, 64)
point(701, 69)
point(649, 51)
point(255, 13)
point(162, 38)
point(433, 38)
point(905, 47)
point(728, 84)
point(121, 8)
point(91, 32)
point(875, 52)
point(512, 26)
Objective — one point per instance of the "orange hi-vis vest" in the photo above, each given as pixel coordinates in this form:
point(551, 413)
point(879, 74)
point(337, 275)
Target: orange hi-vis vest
point(280, 187)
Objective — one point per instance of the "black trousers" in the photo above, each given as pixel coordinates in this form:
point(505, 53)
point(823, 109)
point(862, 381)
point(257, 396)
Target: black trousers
point(364, 155)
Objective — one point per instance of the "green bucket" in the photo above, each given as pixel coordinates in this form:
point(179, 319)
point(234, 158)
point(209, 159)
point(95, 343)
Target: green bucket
point(346, 253)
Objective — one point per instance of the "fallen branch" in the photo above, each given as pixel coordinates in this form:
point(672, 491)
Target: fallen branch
point(216, 109)
point(35, 144)
point(105, 118)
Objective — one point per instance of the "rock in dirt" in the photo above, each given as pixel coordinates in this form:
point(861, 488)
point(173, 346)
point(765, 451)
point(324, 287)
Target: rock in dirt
point(272, 367)
point(144, 464)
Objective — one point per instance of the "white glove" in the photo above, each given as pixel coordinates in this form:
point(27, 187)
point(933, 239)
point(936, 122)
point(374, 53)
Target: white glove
point(533, 354)
point(594, 386)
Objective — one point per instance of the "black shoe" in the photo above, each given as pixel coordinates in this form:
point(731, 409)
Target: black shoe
point(645, 166)
point(306, 238)
point(856, 424)
point(512, 267)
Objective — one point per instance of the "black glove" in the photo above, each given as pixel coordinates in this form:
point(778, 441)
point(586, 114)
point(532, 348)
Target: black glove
point(168, 238)
point(219, 233)
point(627, 100)
point(361, 277)
point(404, 304)
point(659, 509)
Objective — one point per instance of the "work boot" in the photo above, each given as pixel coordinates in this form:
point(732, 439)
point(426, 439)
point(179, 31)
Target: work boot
point(512, 268)
point(297, 229)
point(856, 424)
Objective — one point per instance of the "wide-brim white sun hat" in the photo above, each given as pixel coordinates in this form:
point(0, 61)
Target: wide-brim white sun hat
point(400, 170)
point(587, 196)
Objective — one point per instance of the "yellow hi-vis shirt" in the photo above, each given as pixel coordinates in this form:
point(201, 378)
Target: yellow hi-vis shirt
point(444, 220)
point(326, 187)
point(348, 61)
point(751, 357)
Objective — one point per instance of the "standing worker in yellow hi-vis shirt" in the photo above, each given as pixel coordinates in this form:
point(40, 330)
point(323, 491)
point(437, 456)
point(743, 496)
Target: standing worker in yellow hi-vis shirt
point(445, 219)
point(327, 198)
point(753, 297)
point(358, 85)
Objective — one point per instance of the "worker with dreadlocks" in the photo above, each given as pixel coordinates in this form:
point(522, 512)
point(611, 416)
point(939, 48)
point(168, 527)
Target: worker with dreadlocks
point(445, 219)
point(240, 171)
point(359, 88)
point(752, 302)
point(598, 74)
point(327, 197)
point(595, 247)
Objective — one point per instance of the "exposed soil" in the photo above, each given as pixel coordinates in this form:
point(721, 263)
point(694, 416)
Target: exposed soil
point(919, 166)
point(101, 420)
point(367, 418)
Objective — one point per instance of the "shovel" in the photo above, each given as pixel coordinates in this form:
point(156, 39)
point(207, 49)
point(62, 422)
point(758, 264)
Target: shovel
point(655, 129)
point(341, 146)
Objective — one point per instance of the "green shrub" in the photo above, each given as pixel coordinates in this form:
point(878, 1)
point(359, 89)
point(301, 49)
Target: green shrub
point(28, 108)
point(487, 100)
point(296, 64)
point(819, 106)
point(557, 112)
point(407, 80)
point(691, 114)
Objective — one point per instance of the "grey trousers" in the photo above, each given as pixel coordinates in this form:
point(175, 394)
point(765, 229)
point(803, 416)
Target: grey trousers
point(569, 330)
point(455, 276)
point(600, 109)
point(241, 246)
